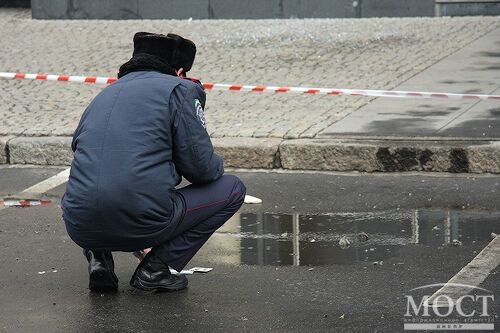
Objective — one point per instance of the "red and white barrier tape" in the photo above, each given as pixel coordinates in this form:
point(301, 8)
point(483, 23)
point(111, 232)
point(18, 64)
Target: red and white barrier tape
point(50, 77)
point(270, 89)
point(23, 203)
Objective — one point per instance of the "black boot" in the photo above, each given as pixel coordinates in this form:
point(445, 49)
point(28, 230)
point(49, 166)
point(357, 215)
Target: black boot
point(153, 274)
point(102, 277)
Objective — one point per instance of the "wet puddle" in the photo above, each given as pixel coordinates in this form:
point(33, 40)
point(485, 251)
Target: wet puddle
point(344, 238)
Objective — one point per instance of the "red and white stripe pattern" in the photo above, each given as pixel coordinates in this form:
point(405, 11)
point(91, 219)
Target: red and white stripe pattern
point(271, 89)
point(65, 78)
point(23, 203)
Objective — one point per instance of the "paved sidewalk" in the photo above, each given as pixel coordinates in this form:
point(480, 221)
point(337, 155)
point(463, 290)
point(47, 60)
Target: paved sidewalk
point(254, 130)
point(475, 69)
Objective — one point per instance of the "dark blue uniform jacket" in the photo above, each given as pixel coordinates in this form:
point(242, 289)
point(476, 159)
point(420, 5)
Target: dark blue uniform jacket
point(134, 142)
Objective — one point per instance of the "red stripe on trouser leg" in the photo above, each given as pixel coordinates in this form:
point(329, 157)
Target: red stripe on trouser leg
point(208, 207)
point(210, 204)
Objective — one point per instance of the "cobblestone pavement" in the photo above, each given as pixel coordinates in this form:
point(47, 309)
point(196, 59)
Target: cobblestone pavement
point(350, 53)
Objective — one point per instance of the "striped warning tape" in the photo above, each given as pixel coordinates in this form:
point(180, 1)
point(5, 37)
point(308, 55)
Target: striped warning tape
point(23, 203)
point(270, 89)
point(50, 77)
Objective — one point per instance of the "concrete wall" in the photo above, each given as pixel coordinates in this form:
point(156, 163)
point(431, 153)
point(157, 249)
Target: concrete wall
point(15, 3)
point(227, 9)
point(399, 8)
point(466, 8)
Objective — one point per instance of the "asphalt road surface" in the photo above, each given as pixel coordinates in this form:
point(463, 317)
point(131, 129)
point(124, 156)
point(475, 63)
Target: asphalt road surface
point(277, 266)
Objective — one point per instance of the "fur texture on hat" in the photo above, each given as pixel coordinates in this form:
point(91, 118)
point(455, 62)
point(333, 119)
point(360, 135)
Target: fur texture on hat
point(164, 53)
point(177, 51)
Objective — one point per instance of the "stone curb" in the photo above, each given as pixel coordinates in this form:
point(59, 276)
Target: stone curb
point(301, 154)
point(391, 156)
point(237, 152)
point(248, 152)
point(4, 153)
point(40, 150)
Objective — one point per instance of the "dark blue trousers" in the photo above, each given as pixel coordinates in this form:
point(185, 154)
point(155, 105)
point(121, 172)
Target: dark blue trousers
point(208, 207)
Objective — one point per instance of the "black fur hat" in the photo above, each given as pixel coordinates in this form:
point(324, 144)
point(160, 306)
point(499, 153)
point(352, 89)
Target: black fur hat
point(178, 52)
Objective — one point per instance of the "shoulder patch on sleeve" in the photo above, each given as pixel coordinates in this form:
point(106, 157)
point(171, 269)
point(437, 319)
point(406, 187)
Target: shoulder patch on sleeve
point(199, 112)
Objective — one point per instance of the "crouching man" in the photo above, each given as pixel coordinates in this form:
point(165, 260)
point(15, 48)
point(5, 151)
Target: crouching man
point(135, 141)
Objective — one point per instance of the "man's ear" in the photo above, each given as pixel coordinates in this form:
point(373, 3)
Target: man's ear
point(180, 72)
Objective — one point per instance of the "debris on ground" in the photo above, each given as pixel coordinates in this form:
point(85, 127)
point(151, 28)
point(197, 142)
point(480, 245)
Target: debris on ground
point(23, 203)
point(363, 237)
point(456, 242)
point(344, 242)
point(252, 200)
point(53, 270)
point(191, 271)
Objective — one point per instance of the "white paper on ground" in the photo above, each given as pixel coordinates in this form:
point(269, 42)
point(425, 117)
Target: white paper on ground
point(183, 272)
point(191, 271)
point(201, 269)
point(252, 200)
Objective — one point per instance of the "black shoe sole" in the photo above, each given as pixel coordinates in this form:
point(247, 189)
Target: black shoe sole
point(101, 281)
point(179, 284)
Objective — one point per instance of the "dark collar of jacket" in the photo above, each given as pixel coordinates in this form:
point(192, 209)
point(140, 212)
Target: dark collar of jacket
point(145, 62)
